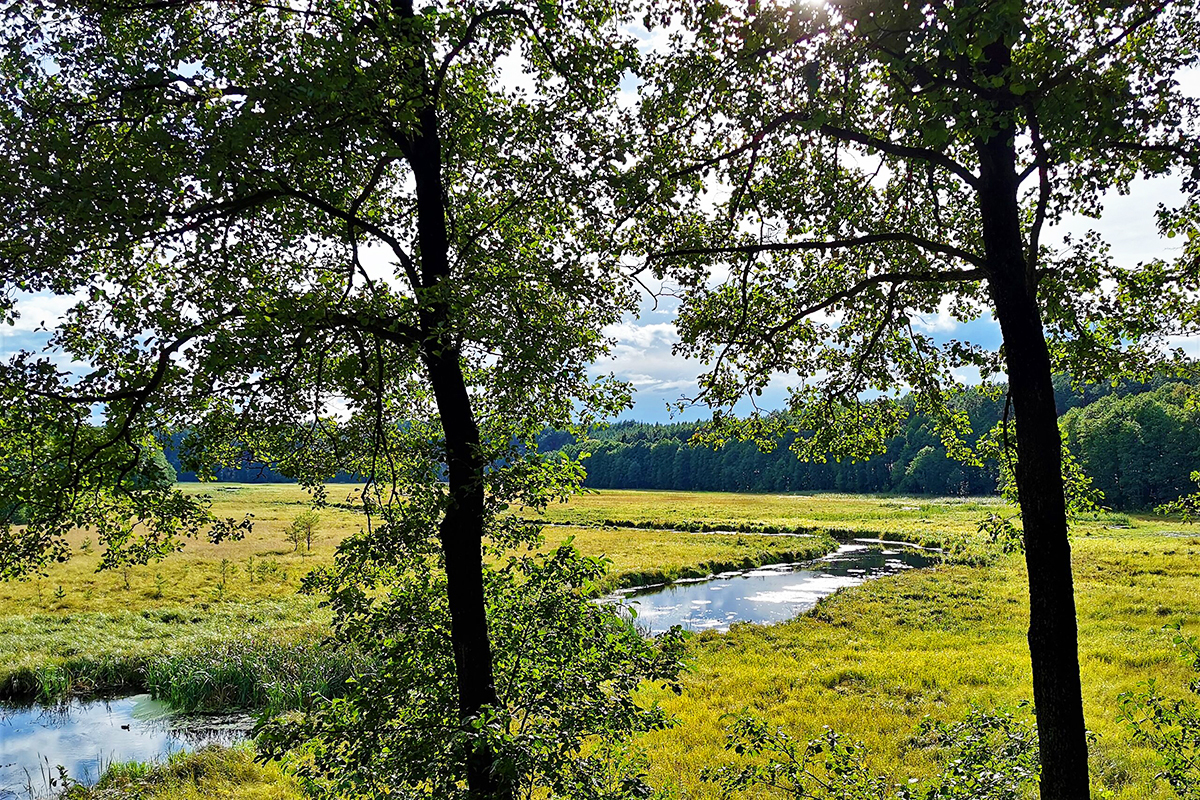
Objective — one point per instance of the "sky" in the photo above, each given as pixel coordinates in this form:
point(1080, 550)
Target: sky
point(642, 354)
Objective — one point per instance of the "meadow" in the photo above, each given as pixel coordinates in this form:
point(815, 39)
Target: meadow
point(870, 661)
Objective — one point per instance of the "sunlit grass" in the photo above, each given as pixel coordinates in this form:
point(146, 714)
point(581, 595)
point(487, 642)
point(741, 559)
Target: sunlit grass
point(870, 661)
point(213, 772)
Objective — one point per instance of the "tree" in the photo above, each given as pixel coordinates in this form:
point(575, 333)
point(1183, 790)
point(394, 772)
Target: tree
point(302, 529)
point(1140, 449)
point(853, 166)
point(330, 235)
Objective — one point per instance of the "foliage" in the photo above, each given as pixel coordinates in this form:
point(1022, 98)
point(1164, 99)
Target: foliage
point(566, 672)
point(631, 455)
point(332, 237)
point(1187, 506)
point(1139, 449)
point(881, 163)
point(823, 767)
point(1002, 533)
point(303, 528)
point(1170, 725)
point(991, 755)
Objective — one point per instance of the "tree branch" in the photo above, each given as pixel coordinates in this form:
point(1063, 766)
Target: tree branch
point(843, 134)
point(950, 276)
point(831, 244)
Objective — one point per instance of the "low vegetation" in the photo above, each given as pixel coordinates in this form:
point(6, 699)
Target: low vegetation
point(869, 662)
point(228, 773)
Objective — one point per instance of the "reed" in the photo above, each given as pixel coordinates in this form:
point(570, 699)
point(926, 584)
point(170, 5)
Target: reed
point(259, 672)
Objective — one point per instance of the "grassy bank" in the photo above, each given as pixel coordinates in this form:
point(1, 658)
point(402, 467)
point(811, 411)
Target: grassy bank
point(228, 773)
point(871, 661)
point(79, 631)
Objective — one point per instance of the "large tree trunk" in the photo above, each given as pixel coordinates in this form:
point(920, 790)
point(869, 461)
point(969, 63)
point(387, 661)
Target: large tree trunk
point(1053, 635)
point(462, 526)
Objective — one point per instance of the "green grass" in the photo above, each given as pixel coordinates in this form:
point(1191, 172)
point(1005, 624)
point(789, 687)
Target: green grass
point(270, 672)
point(870, 661)
point(111, 630)
point(228, 773)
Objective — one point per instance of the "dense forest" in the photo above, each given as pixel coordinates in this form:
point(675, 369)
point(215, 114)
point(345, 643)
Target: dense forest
point(1138, 441)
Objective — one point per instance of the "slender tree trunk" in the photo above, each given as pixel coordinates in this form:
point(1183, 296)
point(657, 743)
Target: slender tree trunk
point(462, 526)
point(1053, 635)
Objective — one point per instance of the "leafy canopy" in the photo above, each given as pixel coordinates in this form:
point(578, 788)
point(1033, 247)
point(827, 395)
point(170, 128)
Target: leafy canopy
point(826, 158)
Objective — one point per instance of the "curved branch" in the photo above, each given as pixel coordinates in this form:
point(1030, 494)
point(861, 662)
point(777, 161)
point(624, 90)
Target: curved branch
point(845, 135)
point(830, 244)
point(368, 226)
point(949, 276)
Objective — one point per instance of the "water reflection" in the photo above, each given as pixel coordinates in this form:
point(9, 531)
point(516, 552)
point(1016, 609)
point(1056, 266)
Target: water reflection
point(768, 594)
point(86, 736)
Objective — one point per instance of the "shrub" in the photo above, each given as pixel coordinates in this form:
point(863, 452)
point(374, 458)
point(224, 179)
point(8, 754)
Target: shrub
point(303, 528)
point(990, 755)
point(1169, 726)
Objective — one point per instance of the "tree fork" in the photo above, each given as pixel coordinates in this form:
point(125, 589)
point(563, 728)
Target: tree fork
point(1053, 631)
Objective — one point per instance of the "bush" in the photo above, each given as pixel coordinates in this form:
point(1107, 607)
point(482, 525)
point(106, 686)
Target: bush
point(303, 528)
point(1169, 726)
point(990, 755)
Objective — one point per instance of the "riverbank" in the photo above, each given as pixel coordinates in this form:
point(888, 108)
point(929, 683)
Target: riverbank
point(871, 661)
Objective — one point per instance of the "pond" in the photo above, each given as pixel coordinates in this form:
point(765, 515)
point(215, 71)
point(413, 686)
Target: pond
point(767, 594)
point(85, 736)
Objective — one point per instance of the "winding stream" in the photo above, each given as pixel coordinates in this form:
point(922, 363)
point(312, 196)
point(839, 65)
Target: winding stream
point(85, 736)
point(767, 594)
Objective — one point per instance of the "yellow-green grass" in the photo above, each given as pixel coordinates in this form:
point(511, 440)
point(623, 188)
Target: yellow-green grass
point(76, 629)
point(228, 773)
point(872, 661)
point(929, 520)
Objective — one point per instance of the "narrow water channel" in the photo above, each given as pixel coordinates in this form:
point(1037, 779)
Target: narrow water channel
point(767, 594)
point(86, 736)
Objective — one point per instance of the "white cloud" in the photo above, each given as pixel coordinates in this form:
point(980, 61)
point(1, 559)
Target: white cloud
point(42, 310)
point(630, 334)
point(941, 322)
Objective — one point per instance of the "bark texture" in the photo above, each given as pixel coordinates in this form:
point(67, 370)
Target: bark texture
point(1053, 633)
point(462, 527)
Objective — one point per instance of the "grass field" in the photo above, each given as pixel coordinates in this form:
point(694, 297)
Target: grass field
point(77, 629)
point(870, 661)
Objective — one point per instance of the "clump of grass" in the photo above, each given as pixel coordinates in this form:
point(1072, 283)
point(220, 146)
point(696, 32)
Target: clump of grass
point(226, 772)
point(49, 682)
point(262, 672)
point(1111, 518)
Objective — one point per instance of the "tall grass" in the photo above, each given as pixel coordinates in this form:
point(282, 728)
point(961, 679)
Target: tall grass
point(227, 773)
point(261, 672)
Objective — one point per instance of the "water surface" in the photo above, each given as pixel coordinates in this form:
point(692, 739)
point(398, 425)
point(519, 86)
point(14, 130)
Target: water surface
point(767, 594)
point(85, 736)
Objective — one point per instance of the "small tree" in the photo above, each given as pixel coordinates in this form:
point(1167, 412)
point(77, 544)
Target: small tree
point(302, 529)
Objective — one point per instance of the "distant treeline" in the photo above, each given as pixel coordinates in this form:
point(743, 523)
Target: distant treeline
point(248, 472)
point(1138, 442)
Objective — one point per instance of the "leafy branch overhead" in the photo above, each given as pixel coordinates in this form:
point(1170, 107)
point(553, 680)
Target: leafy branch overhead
point(838, 147)
point(226, 191)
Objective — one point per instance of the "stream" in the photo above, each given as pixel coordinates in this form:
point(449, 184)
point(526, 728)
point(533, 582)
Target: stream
point(766, 594)
point(85, 736)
